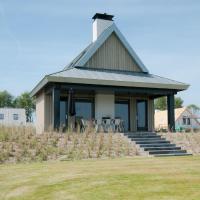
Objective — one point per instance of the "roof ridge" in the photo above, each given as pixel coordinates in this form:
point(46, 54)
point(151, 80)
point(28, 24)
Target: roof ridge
point(61, 71)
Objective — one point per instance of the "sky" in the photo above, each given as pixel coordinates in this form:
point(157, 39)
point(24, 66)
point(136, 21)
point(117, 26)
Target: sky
point(39, 37)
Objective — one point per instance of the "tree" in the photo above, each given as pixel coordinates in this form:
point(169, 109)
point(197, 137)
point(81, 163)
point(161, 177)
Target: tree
point(178, 102)
point(161, 103)
point(6, 99)
point(25, 101)
point(194, 108)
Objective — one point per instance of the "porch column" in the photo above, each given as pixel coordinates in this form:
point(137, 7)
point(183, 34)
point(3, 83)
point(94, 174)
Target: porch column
point(56, 107)
point(171, 115)
point(71, 118)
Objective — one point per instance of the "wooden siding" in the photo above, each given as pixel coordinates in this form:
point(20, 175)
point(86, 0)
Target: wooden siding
point(113, 55)
point(48, 113)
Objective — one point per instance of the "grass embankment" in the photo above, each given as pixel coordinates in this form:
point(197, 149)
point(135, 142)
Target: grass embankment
point(138, 178)
point(21, 144)
point(187, 141)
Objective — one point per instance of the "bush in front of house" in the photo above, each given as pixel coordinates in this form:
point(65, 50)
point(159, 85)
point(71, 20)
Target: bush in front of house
point(21, 144)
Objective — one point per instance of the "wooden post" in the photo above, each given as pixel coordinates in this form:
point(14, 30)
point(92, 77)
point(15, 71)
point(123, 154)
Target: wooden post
point(171, 115)
point(56, 107)
point(71, 118)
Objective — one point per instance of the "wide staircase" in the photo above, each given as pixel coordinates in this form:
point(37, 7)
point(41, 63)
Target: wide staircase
point(155, 145)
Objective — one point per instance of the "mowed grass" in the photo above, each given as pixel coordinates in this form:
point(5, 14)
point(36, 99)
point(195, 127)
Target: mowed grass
point(141, 178)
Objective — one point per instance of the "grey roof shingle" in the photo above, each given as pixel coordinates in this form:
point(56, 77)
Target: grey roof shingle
point(119, 78)
point(110, 78)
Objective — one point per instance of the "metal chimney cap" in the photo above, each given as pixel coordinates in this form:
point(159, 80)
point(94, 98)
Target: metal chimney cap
point(104, 16)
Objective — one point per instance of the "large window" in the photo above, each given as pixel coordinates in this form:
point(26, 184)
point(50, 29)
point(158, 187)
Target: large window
point(186, 121)
point(15, 117)
point(122, 112)
point(142, 118)
point(84, 108)
point(1, 116)
point(63, 112)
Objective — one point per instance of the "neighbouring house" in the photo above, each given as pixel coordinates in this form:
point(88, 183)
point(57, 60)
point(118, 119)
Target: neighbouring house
point(12, 116)
point(106, 80)
point(184, 120)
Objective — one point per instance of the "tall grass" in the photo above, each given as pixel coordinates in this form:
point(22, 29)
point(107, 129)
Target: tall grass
point(22, 144)
point(187, 141)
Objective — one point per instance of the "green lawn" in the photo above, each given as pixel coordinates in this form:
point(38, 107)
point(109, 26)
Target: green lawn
point(128, 178)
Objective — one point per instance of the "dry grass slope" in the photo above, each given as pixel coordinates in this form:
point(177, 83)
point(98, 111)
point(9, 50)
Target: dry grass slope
point(187, 141)
point(21, 144)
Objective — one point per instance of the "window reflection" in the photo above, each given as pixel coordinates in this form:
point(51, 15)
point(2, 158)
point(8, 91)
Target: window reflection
point(142, 114)
point(63, 113)
point(84, 109)
point(122, 111)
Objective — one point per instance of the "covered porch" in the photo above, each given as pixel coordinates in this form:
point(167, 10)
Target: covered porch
point(133, 105)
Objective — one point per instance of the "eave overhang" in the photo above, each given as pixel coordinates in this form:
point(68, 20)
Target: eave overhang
point(89, 80)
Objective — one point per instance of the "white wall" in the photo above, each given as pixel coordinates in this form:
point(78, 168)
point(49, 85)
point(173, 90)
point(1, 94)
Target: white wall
point(104, 105)
point(8, 114)
point(99, 25)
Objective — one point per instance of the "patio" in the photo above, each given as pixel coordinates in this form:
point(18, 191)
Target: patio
point(116, 109)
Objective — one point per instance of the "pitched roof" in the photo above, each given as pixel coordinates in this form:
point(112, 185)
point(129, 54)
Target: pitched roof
point(77, 72)
point(87, 53)
point(110, 78)
point(77, 58)
point(161, 116)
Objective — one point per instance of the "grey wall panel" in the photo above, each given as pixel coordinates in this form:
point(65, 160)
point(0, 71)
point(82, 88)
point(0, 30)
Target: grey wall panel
point(113, 55)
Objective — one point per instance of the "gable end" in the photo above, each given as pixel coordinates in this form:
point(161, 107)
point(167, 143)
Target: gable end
point(113, 55)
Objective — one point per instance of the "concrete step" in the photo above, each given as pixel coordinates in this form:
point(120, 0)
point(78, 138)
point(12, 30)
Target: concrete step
point(152, 142)
point(162, 148)
point(166, 151)
point(143, 136)
point(173, 154)
point(158, 145)
point(147, 139)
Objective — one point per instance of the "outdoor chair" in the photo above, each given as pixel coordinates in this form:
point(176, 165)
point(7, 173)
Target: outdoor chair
point(98, 125)
point(84, 125)
point(107, 123)
point(122, 126)
point(117, 125)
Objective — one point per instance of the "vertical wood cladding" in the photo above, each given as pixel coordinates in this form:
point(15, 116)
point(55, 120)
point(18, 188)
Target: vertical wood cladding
point(113, 55)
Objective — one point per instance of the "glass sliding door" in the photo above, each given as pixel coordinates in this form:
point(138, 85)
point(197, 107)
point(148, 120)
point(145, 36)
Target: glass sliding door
point(84, 108)
point(142, 116)
point(63, 113)
point(122, 111)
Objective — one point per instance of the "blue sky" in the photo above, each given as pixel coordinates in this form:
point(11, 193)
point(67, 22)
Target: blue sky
point(39, 37)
